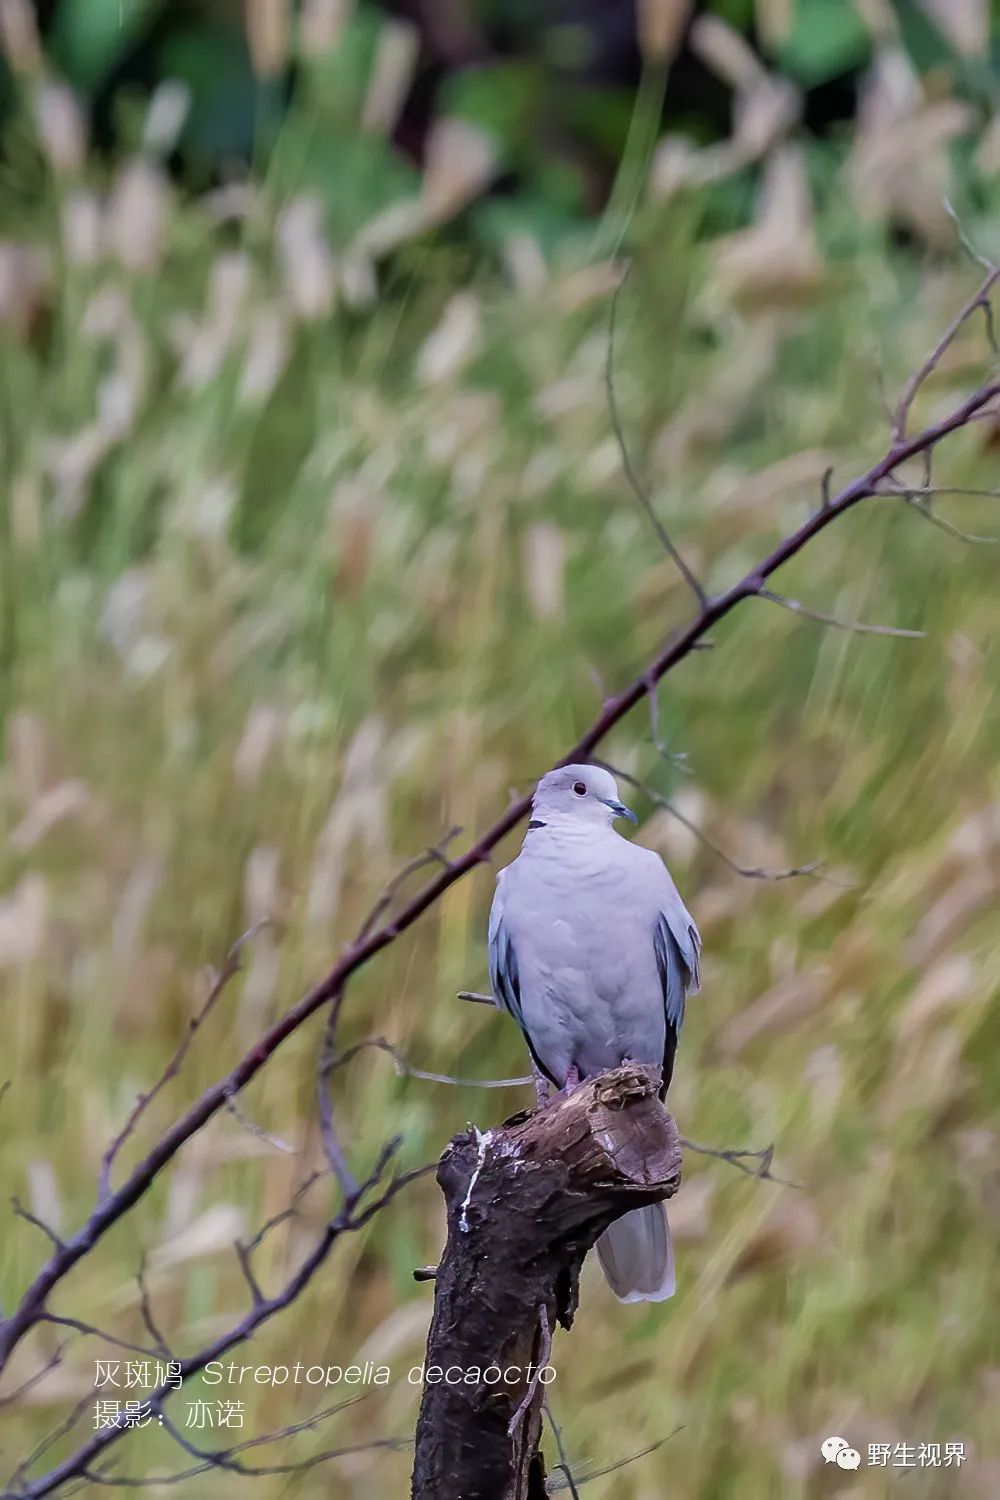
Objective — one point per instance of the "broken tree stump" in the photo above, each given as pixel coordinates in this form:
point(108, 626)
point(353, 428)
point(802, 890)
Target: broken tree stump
point(526, 1201)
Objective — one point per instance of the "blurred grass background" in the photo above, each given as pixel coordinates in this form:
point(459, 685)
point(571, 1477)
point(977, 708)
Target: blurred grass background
point(316, 542)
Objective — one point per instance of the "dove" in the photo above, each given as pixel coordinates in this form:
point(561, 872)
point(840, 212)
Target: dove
point(593, 953)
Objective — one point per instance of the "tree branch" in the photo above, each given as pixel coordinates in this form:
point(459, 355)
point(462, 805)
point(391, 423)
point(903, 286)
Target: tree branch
point(526, 1202)
point(979, 299)
point(351, 1217)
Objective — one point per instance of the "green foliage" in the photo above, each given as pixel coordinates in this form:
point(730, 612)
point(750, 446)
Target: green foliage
point(287, 588)
point(827, 38)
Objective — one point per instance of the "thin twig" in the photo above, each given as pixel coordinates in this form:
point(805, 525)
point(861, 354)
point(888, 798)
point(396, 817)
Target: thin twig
point(979, 299)
point(857, 626)
point(325, 1067)
point(563, 1463)
point(146, 1308)
point(229, 968)
point(622, 1462)
point(943, 524)
point(739, 1156)
point(243, 1254)
point(676, 758)
point(434, 855)
point(257, 1131)
point(33, 1219)
point(15, 1483)
point(79, 1326)
point(966, 243)
point(636, 485)
point(403, 1069)
point(749, 872)
point(919, 492)
point(36, 1379)
point(288, 1212)
point(351, 1217)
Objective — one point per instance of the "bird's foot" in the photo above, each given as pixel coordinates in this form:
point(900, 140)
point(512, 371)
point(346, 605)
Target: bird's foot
point(546, 1093)
point(543, 1088)
point(572, 1081)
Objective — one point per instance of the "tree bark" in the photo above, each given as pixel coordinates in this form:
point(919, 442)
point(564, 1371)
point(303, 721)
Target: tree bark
point(525, 1202)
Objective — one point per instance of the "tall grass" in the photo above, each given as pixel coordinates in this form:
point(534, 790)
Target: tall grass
point(294, 580)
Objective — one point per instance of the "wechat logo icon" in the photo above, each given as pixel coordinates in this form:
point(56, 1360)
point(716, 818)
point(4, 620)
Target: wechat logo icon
point(837, 1450)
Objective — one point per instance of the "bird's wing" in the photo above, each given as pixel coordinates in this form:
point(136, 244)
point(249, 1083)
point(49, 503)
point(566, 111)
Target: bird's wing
point(504, 977)
point(677, 945)
point(503, 960)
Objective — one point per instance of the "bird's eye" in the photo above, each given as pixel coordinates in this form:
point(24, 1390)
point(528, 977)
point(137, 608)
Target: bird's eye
point(580, 788)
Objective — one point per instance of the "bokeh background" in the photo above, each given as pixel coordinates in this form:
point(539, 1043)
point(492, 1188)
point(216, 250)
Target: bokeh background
point(316, 542)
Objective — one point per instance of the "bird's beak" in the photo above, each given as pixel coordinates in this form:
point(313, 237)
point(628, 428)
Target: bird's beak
point(621, 811)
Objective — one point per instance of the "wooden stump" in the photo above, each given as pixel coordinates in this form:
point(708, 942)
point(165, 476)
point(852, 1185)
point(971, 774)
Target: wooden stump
point(526, 1201)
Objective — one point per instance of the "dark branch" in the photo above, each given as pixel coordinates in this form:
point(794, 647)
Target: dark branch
point(979, 299)
point(351, 1217)
point(739, 1156)
point(33, 1219)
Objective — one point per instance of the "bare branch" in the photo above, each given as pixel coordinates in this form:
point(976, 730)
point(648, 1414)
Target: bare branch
point(229, 968)
point(243, 1256)
point(979, 299)
point(220, 1459)
point(825, 501)
point(325, 1069)
point(434, 855)
point(403, 1069)
point(16, 1481)
point(79, 1326)
point(739, 1156)
point(146, 1307)
point(623, 1462)
point(966, 243)
point(27, 1385)
point(351, 1217)
point(678, 759)
point(252, 1128)
point(30, 1218)
point(923, 508)
point(857, 626)
point(896, 487)
point(749, 872)
point(289, 1212)
point(477, 997)
point(631, 473)
point(563, 1463)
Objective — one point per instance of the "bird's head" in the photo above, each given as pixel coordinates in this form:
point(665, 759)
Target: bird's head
point(580, 795)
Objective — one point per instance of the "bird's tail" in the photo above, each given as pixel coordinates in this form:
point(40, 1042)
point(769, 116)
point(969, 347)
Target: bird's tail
point(637, 1256)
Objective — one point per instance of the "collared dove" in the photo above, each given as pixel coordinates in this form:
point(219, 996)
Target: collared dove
point(593, 952)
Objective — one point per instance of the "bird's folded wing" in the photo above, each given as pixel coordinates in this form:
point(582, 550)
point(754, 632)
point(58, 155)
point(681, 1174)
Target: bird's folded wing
point(503, 960)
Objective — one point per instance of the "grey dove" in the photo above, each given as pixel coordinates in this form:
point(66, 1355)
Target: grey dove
point(593, 952)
